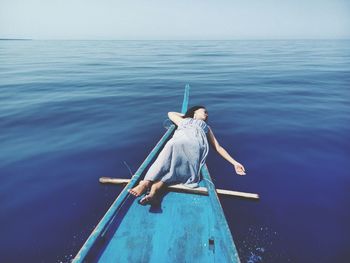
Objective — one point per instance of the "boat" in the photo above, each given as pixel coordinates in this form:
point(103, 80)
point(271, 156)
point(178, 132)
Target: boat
point(189, 225)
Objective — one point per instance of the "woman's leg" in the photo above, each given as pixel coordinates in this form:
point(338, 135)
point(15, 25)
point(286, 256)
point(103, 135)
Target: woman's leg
point(141, 188)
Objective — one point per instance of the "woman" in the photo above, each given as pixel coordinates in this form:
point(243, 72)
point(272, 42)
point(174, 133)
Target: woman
point(182, 157)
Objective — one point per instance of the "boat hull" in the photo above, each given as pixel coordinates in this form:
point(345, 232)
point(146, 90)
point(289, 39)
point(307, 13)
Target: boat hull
point(185, 227)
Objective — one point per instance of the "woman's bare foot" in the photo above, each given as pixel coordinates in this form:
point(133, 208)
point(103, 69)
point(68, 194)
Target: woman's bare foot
point(152, 197)
point(148, 199)
point(140, 189)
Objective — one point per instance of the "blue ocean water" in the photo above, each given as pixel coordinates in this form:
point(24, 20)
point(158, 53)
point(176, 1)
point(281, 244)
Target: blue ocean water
point(73, 111)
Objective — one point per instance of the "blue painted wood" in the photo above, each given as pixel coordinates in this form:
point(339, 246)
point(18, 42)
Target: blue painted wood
point(186, 99)
point(105, 222)
point(219, 227)
point(186, 228)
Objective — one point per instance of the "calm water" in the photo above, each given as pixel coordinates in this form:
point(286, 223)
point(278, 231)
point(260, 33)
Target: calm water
point(72, 111)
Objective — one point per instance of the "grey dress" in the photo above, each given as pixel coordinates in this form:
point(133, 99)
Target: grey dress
point(183, 155)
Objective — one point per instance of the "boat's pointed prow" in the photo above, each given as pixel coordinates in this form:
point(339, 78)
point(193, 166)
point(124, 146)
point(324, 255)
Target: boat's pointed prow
point(185, 227)
point(186, 98)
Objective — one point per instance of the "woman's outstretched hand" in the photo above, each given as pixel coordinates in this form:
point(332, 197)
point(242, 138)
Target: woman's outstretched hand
point(239, 169)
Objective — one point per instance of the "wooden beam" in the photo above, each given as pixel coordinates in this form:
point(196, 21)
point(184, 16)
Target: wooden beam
point(183, 189)
point(109, 180)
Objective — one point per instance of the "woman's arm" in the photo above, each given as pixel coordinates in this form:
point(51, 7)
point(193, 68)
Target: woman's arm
point(175, 117)
point(220, 150)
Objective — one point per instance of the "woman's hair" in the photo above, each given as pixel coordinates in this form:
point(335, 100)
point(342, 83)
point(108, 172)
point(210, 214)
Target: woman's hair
point(190, 111)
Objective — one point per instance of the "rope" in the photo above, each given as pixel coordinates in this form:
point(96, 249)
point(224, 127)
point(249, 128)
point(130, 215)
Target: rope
point(127, 166)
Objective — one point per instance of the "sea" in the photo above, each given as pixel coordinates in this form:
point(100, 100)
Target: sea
point(74, 111)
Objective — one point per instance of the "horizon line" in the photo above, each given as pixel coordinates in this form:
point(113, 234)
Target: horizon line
point(172, 39)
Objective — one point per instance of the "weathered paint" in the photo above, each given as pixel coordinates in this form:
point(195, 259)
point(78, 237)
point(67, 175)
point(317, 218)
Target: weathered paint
point(185, 228)
point(220, 226)
point(105, 221)
point(180, 231)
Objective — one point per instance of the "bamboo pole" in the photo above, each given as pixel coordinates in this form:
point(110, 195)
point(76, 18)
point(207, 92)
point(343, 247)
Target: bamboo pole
point(183, 189)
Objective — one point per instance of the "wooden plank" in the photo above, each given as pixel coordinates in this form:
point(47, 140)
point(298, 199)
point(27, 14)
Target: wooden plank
point(179, 233)
point(237, 193)
point(186, 98)
point(109, 180)
point(184, 189)
point(220, 232)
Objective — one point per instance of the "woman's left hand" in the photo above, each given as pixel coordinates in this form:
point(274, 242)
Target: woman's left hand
point(239, 169)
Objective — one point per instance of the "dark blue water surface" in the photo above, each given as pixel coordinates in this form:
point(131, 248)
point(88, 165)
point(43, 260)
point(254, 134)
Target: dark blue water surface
point(73, 111)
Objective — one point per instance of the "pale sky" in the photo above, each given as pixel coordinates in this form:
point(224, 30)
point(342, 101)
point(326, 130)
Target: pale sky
point(174, 19)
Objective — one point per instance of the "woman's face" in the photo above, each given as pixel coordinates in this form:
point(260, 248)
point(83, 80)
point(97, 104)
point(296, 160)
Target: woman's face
point(201, 114)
